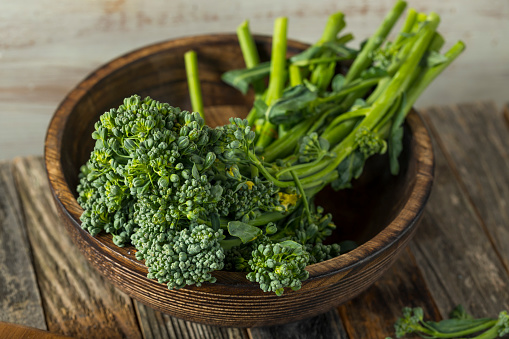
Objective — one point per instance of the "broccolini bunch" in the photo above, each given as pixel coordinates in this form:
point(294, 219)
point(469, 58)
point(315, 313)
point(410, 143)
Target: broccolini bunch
point(163, 181)
point(194, 199)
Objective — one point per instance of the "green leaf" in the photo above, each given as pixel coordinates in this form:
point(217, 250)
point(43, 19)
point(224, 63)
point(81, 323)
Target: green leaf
point(308, 54)
point(243, 231)
point(290, 107)
point(395, 148)
point(337, 82)
point(215, 222)
point(209, 160)
point(350, 168)
point(395, 140)
point(374, 72)
point(434, 58)
point(230, 243)
point(295, 247)
point(340, 49)
point(195, 172)
point(242, 78)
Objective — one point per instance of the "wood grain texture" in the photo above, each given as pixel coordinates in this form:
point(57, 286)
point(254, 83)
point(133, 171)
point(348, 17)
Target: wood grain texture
point(372, 315)
point(395, 202)
point(77, 301)
point(20, 301)
point(479, 158)
point(324, 326)
point(157, 325)
point(456, 256)
point(14, 331)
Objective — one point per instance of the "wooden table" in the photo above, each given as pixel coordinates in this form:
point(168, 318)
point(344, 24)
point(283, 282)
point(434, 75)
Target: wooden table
point(460, 254)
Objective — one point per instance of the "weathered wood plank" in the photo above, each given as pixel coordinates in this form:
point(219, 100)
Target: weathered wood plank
point(20, 301)
point(324, 326)
point(456, 257)
point(157, 325)
point(374, 312)
point(77, 300)
point(476, 141)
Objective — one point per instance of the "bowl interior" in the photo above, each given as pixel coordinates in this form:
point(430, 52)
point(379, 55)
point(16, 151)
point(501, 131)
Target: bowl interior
point(360, 213)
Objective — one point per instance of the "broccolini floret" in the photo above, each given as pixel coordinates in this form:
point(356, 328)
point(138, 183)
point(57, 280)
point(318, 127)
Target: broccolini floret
point(180, 258)
point(278, 265)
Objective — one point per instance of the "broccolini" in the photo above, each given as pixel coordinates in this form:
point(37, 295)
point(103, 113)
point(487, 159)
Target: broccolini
point(194, 199)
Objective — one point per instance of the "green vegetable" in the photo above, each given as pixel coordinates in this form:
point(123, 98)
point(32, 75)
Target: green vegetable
point(193, 80)
point(459, 325)
point(194, 199)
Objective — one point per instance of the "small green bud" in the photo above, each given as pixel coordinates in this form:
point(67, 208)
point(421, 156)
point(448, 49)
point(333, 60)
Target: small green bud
point(129, 144)
point(183, 142)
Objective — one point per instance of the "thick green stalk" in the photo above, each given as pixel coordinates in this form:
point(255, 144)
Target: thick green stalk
point(193, 81)
point(407, 27)
point(304, 198)
point(277, 76)
point(429, 74)
point(330, 132)
point(285, 145)
point(251, 59)
point(354, 87)
point(322, 73)
point(295, 75)
point(364, 58)
point(247, 45)
point(334, 25)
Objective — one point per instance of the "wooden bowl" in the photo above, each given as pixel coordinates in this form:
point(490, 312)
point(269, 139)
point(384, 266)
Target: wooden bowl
point(380, 213)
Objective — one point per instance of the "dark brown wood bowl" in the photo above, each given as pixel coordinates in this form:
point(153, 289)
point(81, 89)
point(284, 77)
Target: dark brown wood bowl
point(380, 212)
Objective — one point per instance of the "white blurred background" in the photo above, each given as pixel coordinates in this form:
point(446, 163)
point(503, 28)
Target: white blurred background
point(48, 46)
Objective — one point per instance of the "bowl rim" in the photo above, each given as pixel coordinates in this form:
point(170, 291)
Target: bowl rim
point(398, 228)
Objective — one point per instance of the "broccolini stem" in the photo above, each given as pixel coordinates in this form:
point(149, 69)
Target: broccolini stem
point(328, 133)
point(491, 333)
point(247, 45)
point(407, 27)
point(350, 89)
point(193, 81)
point(251, 58)
point(429, 74)
point(294, 168)
point(324, 71)
point(364, 58)
point(336, 134)
point(267, 217)
point(335, 23)
point(295, 75)
point(282, 146)
point(303, 195)
point(277, 76)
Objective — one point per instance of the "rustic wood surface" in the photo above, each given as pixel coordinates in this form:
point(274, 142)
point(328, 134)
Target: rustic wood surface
point(19, 296)
point(75, 297)
point(458, 255)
